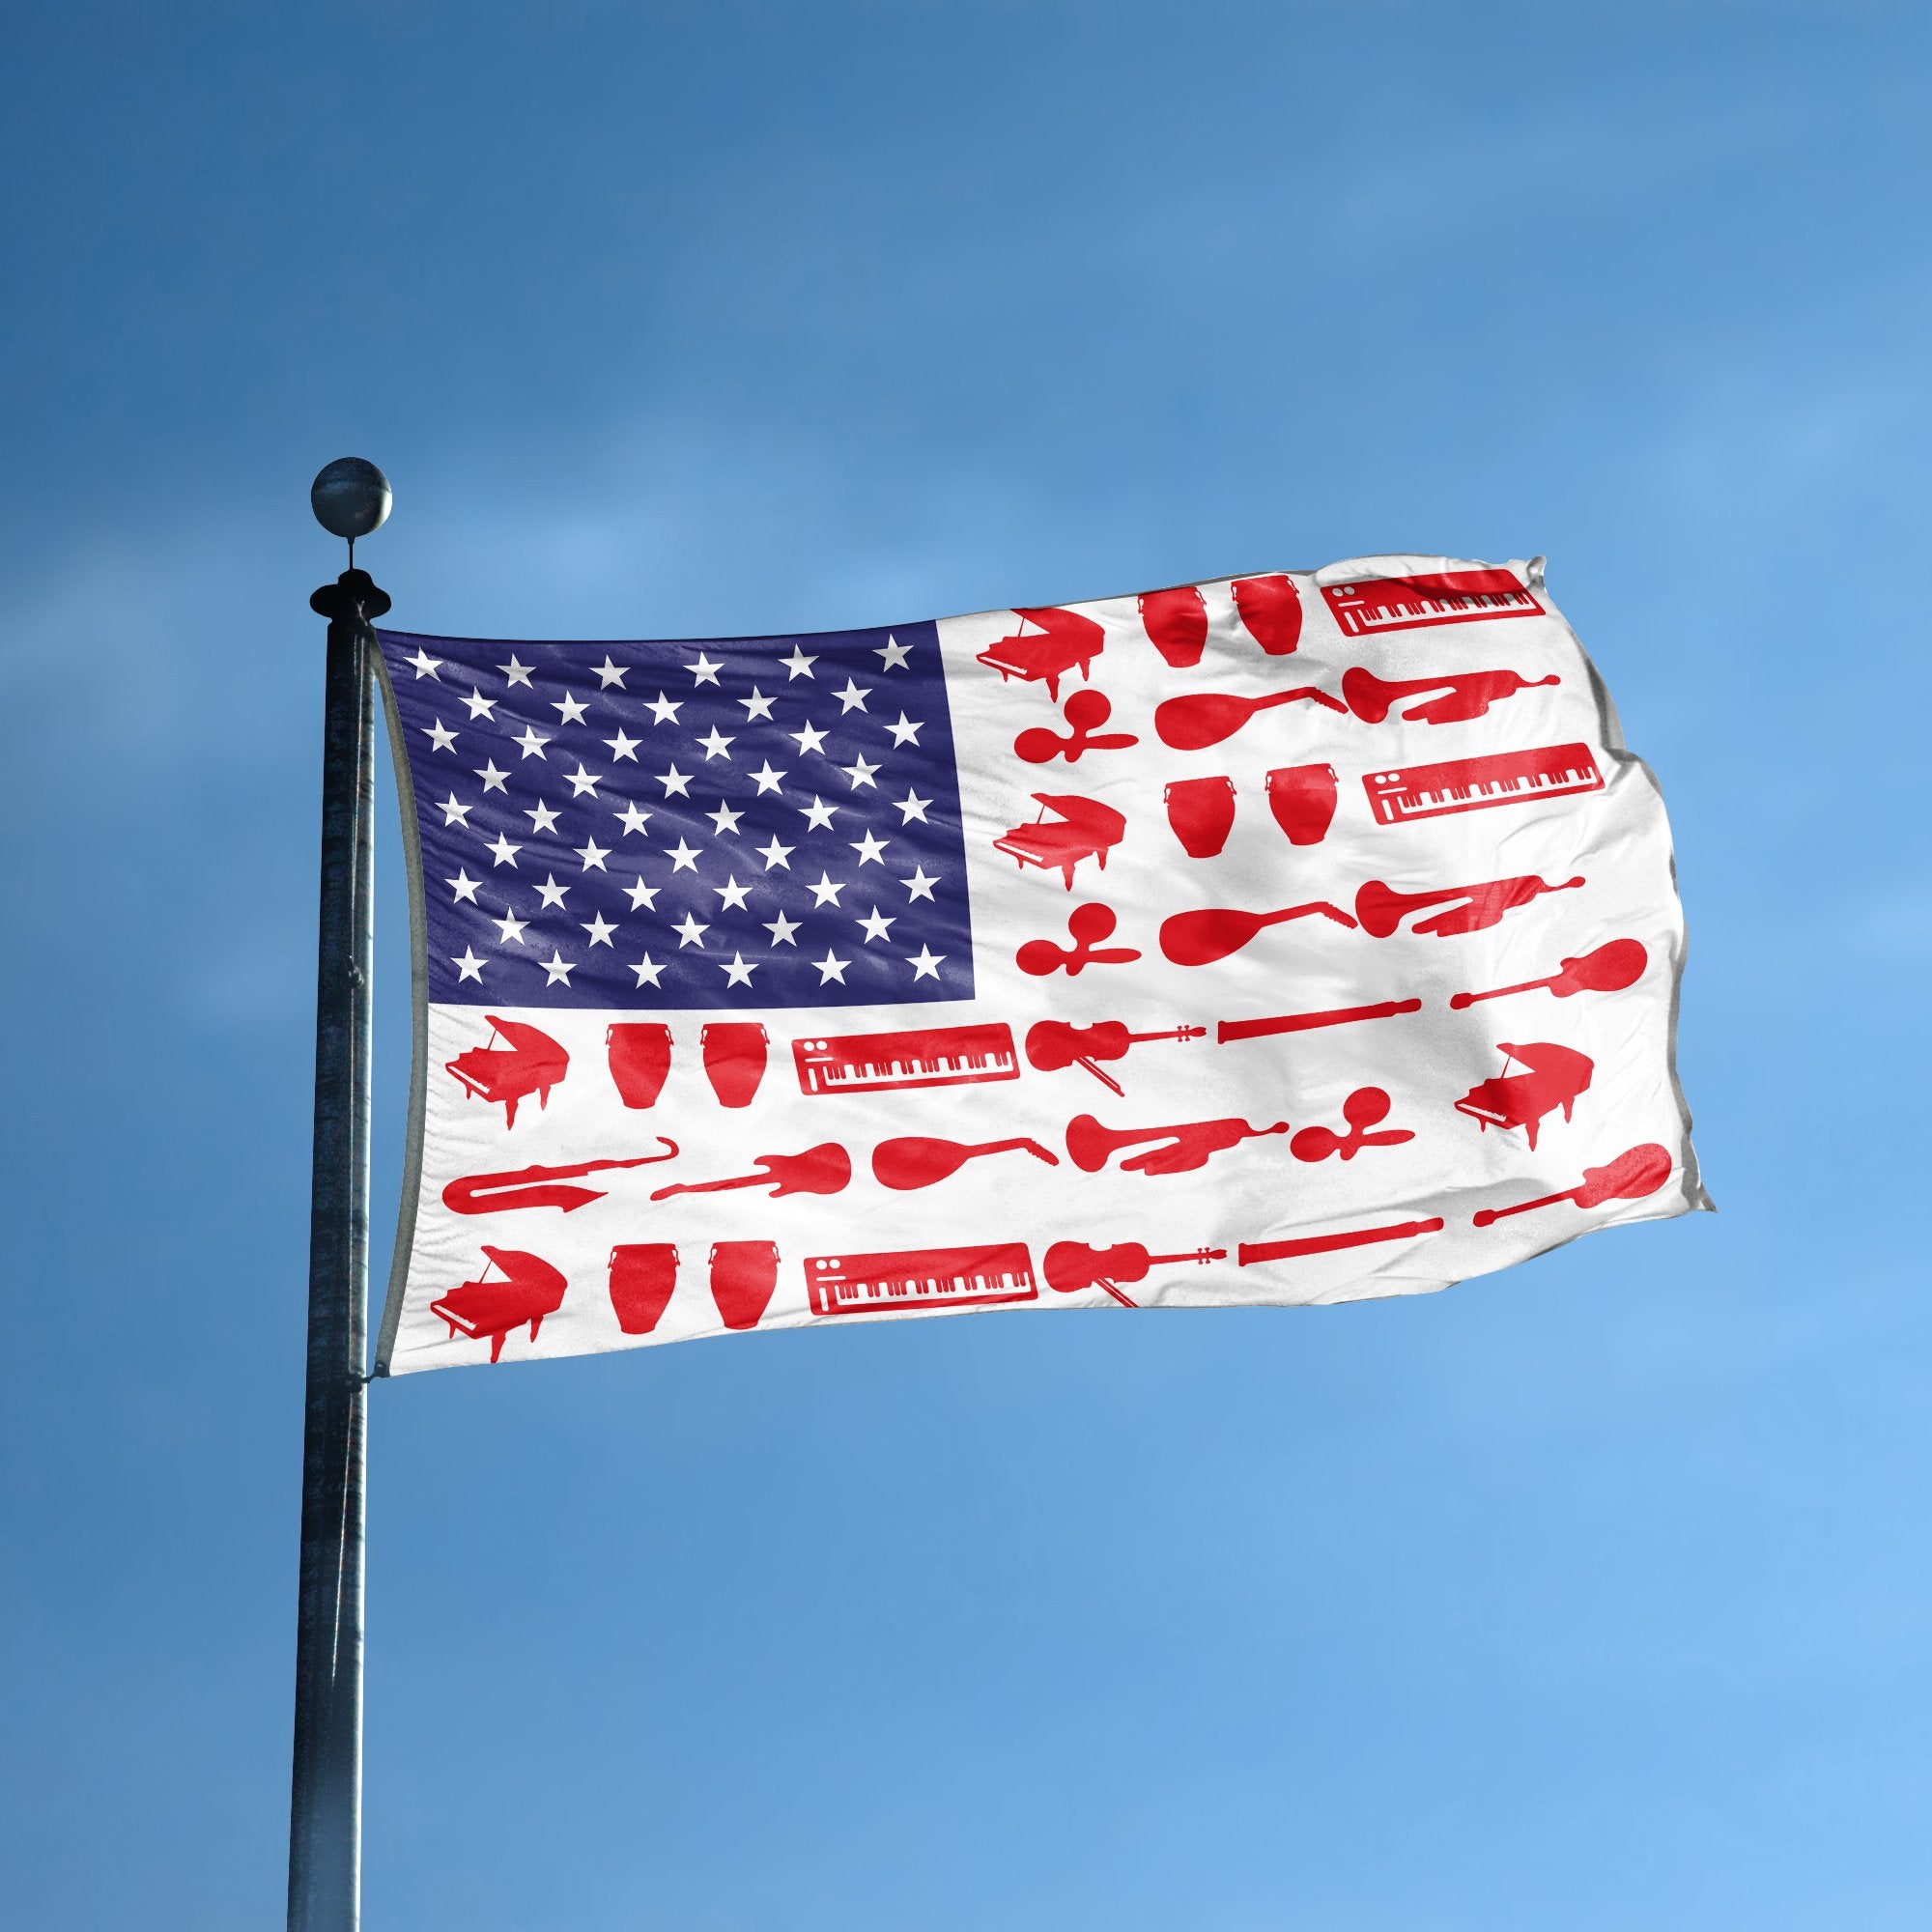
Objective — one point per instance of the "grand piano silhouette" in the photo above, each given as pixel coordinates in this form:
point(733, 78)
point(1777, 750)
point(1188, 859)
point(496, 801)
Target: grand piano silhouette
point(532, 1063)
point(1088, 830)
point(1060, 641)
point(530, 1289)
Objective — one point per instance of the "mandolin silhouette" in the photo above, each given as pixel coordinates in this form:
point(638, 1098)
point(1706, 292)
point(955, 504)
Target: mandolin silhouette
point(1200, 938)
point(915, 1160)
point(1205, 718)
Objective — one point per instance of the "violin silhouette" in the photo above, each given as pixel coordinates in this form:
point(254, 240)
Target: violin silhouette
point(1611, 967)
point(532, 1063)
point(1632, 1175)
point(1365, 1108)
point(1071, 1265)
point(824, 1169)
point(1205, 718)
point(916, 1161)
point(1086, 926)
point(1200, 938)
point(1086, 711)
point(1051, 1044)
point(535, 1186)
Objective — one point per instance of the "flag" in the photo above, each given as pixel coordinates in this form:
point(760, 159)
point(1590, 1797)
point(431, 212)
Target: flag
point(1290, 938)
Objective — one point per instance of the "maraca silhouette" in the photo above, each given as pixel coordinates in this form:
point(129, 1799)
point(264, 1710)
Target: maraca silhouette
point(1086, 711)
point(1365, 1108)
point(1087, 926)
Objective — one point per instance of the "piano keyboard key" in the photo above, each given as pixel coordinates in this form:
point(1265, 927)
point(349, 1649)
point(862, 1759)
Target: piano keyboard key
point(1412, 603)
point(875, 1062)
point(1469, 785)
point(903, 1278)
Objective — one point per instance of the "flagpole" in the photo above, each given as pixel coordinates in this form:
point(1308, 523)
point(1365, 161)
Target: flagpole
point(351, 499)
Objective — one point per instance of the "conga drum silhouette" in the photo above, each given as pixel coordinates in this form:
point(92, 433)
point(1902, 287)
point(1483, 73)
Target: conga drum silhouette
point(1176, 623)
point(1302, 799)
point(643, 1275)
point(640, 1056)
point(1201, 813)
point(734, 1060)
point(743, 1275)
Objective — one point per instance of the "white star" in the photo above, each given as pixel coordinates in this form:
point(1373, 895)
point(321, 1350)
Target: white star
point(623, 747)
point(818, 815)
point(732, 894)
point(798, 664)
point(480, 706)
point(876, 925)
point(781, 929)
point(644, 895)
point(775, 854)
point(493, 779)
point(468, 967)
point(825, 892)
point(592, 854)
point(690, 932)
point(440, 737)
point(765, 778)
point(860, 774)
point(716, 744)
point(455, 811)
point(683, 857)
point(647, 970)
point(894, 654)
point(725, 818)
point(556, 968)
point(550, 893)
point(515, 672)
point(635, 818)
point(531, 740)
point(506, 852)
point(920, 886)
point(811, 739)
point(581, 781)
point(704, 671)
point(905, 732)
point(510, 927)
point(853, 697)
point(600, 929)
point(756, 706)
point(543, 818)
point(739, 973)
point(463, 885)
point(911, 806)
point(674, 781)
point(609, 673)
point(665, 710)
point(925, 963)
point(426, 665)
point(831, 967)
point(869, 850)
point(570, 710)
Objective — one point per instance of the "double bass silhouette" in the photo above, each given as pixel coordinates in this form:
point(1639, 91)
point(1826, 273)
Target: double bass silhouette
point(529, 1063)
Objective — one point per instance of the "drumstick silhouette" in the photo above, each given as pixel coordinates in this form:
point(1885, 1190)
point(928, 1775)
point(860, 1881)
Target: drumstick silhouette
point(1205, 718)
point(1608, 969)
point(1632, 1175)
point(1200, 938)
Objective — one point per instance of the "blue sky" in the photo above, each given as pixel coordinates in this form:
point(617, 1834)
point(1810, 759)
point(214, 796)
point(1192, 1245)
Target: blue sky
point(1591, 1595)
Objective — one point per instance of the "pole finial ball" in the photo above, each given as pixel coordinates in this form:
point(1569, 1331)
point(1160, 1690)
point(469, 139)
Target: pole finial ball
point(350, 497)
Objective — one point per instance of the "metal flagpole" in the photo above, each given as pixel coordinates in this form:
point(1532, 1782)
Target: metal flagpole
point(351, 497)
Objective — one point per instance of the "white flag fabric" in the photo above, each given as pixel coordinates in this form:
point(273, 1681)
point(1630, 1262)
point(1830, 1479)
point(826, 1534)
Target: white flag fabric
point(1286, 939)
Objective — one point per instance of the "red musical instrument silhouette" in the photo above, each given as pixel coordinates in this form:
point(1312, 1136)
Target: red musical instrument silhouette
point(1060, 641)
point(1087, 830)
point(1474, 784)
point(1381, 909)
point(1365, 1108)
point(734, 1060)
point(1437, 597)
point(899, 1280)
point(532, 1063)
point(1201, 812)
point(638, 1051)
point(1086, 711)
point(1302, 799)
point(915, 1160)
point(1189, 1144)
point(1176, 623)
point(743, 1275)
point(497, 1193)
point(879, 1062)
point(1202, 937)
point(1251, 1252)
point(1086, 926)
point(642, 1276)
point(1637, 1172)
point(1071, 1265)
point(1052, 1045)
point(1466, 694)
point(530, 1289)
point(1606, 969)
point(1269, 609)
point(1205, 718)
point(1381, 1010)
point(824, 1169)
point(1556, 1075)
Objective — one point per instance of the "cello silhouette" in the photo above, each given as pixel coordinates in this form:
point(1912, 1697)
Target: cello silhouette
point(1205, 718)
point(1214, 932)
point(1608, 969)
point(1071, 1265)
point(916, 1160)
point(1634, 1174)
point(1052, 1045)
point(824, 1169)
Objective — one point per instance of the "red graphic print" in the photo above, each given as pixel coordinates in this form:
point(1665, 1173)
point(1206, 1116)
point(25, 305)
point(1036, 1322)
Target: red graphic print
point(1466, 694)
point(880, 1063)
point(1205, 718)
point(1381, 909)
point(1270, 610)
point(1202, 814)
point(1607, 968)
point(1200, 938)
point(642, 1276)
point(1634, 1173)
point(734, 1060)
point(531, 1063)
point(1086, 711)
point(1302, 799)
point(1556, 1075)
point(1087, 926)
point(1176, 623)
point(1189, 1146)
point(1058, 641)
point(1474, 784)
point(916, 1161)
point(1365, 1108)
point(1087, 830)
point(535, 1186)
point(640, 1056)
point(743, 1275)
point(904, 1279)
point(824, 1169)
point(1071, 1265)
point(1381, 1010)
point(1442, 597)
point(1051, 1044)
point(1251, 1252)
point(530, 1289)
